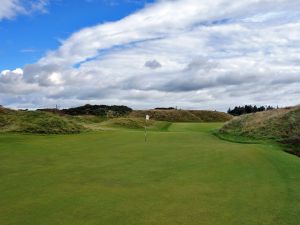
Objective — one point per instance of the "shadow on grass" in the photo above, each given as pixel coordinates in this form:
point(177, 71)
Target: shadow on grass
point(237, 138)
point(289, 145)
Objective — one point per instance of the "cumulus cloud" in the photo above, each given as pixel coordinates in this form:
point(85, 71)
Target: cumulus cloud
point(12, 83)
point(190, 53)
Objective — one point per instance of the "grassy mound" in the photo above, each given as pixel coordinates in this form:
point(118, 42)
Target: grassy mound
point(183, 115)
point(129, 123)
point(136, 123)
point(281, 125)
point(36, 122)
point(211, 116)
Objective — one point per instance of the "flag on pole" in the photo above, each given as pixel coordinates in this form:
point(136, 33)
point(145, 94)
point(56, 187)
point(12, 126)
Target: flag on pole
point(147, 118)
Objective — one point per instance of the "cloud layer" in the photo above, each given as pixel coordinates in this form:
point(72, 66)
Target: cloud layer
point(189, 53)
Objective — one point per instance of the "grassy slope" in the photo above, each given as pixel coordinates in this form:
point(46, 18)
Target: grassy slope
point(49, 123)
point(185, 176)
point(280, 125)
point(135, 123)
point(183, 115)
point(36, 122)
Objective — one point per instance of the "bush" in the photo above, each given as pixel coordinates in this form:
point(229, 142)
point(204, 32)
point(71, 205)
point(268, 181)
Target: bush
point(98, 110)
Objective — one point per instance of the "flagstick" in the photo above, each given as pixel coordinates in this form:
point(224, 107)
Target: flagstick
point(147, 118)
point(145, 130)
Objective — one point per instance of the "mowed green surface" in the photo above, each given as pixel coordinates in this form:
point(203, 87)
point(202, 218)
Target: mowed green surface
point(185, 176)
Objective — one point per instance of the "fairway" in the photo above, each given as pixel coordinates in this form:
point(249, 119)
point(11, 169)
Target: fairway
point(182, 176)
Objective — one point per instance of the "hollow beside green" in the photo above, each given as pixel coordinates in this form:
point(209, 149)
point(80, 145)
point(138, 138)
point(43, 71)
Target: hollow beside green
point(182, 176)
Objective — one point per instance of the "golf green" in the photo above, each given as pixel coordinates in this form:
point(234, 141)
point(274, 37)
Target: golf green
point(183, 176)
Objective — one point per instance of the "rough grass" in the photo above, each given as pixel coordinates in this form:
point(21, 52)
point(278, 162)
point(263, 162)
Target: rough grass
point(127, 123)
point(51, 123)
point(183, 115)
point(36, 122)
point(185, 176)
point(136, 123)
point(281, 125)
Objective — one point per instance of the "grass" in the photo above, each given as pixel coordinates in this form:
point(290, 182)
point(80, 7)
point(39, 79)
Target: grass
point(282, 125)
point(184, 175)
point(183, 115)
point(37, 122)
point(135, 123)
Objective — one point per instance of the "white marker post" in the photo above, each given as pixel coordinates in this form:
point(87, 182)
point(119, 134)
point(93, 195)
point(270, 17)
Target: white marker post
point(147, 118)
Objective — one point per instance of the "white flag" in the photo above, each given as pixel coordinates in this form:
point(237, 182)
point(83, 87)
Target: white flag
point(147, 117)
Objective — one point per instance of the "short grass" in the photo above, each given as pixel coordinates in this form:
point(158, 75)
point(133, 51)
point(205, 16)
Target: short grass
point(186, 176)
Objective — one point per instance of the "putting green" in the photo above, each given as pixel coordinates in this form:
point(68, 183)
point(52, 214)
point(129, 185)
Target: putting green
point(185, 176)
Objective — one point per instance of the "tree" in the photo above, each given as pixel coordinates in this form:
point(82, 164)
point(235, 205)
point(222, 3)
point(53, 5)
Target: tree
point(240, 110)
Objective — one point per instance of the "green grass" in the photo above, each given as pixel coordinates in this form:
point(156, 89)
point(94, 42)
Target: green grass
point(194, 127)
point(186, 176)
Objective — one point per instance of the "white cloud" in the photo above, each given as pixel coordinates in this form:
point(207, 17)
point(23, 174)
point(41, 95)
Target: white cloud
point(11, 8)
point(210, 54)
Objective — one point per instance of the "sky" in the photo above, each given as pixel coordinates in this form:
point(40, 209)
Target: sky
point(195, 54)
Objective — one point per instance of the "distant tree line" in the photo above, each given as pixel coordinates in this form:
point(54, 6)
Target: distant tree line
point(96, 110)
point(163, 108)
point(240, 110)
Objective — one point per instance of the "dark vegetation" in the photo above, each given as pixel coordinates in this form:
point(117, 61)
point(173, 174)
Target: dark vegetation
point(96, 110)
point(292, 145)
point(163, 108)
point(240, 110)
point(281, 125)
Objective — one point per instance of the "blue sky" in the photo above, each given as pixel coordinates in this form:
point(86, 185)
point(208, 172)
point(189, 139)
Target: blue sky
point(198, 54)
point(24, 39)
